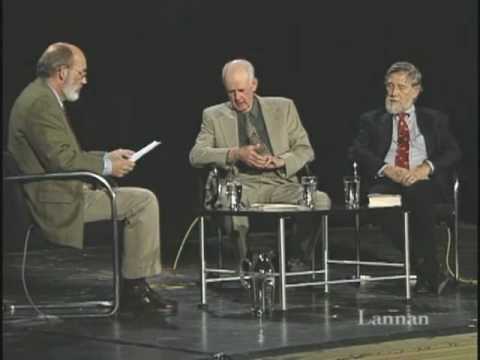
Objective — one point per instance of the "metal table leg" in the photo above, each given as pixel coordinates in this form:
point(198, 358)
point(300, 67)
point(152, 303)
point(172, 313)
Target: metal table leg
point(325, 249)
point(202, 260)
point(407, 254)
point(281, 245)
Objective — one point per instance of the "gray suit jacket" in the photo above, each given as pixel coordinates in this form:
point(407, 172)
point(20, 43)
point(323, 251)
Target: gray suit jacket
point(219, 132)
point(41, 140)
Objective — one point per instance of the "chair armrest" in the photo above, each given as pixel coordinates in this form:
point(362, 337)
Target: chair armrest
point(70, 175)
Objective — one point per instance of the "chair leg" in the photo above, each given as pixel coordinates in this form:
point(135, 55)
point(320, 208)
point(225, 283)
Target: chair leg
point(220, 248)
point(316, 235)
point(111, 305)
point(455, 241)
point(357, 245)
point(452, 240)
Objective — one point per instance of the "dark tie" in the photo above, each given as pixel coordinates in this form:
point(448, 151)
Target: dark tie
point(253, 135)
point(403, 142)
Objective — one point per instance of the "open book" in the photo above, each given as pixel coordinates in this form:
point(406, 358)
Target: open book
point(145, 150)
point(384, 200)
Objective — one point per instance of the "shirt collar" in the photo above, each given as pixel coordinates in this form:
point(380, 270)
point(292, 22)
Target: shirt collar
point(410, 112)
point(254, 111)
point(56, 95)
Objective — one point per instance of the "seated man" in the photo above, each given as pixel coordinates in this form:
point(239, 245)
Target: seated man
point(263, 141)
point(408, 150)
point(41, 140)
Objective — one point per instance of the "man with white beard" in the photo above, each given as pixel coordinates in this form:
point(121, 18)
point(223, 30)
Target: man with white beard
point(407, 149)
point(41, 140)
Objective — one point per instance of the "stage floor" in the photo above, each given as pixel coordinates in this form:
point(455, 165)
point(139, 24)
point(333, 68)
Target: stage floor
point(349, 315)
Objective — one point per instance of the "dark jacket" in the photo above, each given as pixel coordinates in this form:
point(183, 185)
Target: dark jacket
point(375, 136)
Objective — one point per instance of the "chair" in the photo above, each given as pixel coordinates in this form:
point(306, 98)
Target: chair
point(446, 213)
point(13, 179)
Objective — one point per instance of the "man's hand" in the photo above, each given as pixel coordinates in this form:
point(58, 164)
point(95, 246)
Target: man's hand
point(248, 154)
point(395, 173)
point(121, 165)
point(407, 177)
point(421, 172)
point(274, 162)
point(120, 154)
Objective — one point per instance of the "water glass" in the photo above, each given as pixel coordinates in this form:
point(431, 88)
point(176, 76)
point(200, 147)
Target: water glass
point(233, 191)
point(309, 186)
point(351, 187)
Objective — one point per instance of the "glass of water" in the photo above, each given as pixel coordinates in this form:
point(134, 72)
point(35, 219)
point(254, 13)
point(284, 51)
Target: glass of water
point(309, 186)
point(351, 187)
point(234, 194)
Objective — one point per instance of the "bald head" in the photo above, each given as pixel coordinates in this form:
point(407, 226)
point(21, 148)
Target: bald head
point(238, 66)
point(240, 83)
point(57, 55)
point(64, 67)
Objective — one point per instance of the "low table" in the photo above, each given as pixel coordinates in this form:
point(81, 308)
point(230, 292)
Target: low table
point(281, 214)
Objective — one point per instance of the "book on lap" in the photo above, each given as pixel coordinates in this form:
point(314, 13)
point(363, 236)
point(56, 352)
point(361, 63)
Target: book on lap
point(384, 200)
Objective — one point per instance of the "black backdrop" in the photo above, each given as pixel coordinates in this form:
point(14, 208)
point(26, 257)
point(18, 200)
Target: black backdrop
point(154, 65)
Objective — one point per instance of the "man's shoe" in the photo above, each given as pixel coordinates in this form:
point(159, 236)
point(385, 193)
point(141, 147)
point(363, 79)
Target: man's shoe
point(422, 286)
point(141, 297)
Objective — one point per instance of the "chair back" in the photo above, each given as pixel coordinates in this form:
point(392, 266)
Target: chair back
point(445, 208)
point(16, 214)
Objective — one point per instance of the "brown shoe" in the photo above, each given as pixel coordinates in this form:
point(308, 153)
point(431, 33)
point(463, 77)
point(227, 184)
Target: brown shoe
point(141, 297)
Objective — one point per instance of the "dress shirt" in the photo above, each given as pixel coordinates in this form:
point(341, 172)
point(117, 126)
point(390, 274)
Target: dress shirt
point(418, 149)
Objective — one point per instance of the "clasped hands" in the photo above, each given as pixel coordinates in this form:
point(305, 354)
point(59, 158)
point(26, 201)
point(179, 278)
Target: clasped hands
point(121, 165)
point(407, 177)
point(250, 155)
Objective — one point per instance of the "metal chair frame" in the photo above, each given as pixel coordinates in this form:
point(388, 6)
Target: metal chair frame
point(114, 304)
point(452, 232)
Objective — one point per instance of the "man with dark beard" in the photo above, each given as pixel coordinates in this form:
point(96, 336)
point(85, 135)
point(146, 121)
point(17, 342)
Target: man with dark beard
point(41, 140)
point(409, 150)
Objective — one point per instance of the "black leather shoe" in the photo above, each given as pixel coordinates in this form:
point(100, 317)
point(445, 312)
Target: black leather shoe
point(422, 286)
point(141, 297)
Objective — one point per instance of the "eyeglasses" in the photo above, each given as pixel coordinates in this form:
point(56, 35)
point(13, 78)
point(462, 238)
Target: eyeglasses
point(81, 73)
point(401, 87)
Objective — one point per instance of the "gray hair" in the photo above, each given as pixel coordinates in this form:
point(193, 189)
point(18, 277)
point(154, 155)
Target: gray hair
point(56, 55)
point(413, 74)
point(242, 63)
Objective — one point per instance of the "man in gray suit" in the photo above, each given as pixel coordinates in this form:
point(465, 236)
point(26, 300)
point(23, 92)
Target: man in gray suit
point(263, 140)
point(41, 140)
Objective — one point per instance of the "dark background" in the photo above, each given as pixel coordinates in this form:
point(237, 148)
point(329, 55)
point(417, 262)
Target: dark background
point(154, 65)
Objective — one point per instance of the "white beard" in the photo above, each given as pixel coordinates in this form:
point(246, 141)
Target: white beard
point(395, 107)
point(71, 94)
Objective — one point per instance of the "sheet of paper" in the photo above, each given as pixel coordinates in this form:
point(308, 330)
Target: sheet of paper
point(276, 207)
point(145, 150)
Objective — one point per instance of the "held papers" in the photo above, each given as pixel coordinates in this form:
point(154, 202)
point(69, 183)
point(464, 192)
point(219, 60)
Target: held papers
point(145, 150)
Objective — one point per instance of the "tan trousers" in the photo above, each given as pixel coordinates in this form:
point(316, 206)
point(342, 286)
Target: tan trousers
point(267, 188)
point(141, 237)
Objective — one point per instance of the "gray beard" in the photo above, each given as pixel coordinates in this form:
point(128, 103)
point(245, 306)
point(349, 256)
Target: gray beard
point(395, 108)
point(70, 94)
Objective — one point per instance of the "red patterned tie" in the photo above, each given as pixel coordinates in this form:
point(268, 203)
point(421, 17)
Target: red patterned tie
point(403, 142)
